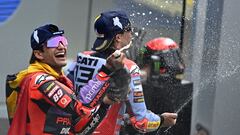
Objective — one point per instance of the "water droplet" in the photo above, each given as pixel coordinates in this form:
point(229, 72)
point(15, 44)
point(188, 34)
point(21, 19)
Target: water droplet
point(143, 14)
point(150, 12)
point(136, 33)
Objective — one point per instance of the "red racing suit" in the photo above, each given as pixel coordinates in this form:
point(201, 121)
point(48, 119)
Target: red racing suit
point(141, 118)
point(47, 103)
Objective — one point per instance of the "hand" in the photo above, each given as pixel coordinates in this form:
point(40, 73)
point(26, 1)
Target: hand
point(115, 62)
point(170, 119)
point(119, 85)
point(108, 101)
point(86, 112)
point(85, 116)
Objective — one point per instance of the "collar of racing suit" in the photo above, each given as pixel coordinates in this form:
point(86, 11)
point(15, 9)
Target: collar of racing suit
point(35, 67)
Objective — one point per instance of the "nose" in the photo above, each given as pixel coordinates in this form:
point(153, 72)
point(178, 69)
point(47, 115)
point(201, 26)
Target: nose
point(61, 45)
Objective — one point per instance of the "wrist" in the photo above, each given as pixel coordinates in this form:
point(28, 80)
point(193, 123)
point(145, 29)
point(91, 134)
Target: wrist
point(106, 69)
point(162, 120)
point(108, 66)
point(103, 73)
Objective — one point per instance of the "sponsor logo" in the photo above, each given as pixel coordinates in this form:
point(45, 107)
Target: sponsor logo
point(153, 125)
point(86, 67)
point(138, 94)
point(58, 32)
point(138, 100)
point(54, 89)
point(95, 120)
point(99, 95)
point(83, 74)
point(65, 131)
point(87, 61)
point(49, 87)
point(134, 69)
point(63, 121)
point(92, 92)
point(41, 78)
point(116, 22)
point(137, 82)
point(64, 101)
point(57, 95)
point(93, 111)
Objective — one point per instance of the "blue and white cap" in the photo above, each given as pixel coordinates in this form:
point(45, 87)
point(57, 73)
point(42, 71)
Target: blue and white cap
point(43, 33)
point(107, 25)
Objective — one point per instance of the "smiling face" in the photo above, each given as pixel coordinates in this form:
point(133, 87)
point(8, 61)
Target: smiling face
point(56, 57)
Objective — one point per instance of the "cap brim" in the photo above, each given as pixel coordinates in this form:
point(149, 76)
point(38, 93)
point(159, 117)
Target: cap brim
point(101, 44)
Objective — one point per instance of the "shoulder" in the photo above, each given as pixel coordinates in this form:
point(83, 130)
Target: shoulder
point(40, 78)
point(131, 66)
point(86, 53)
point(89, 52)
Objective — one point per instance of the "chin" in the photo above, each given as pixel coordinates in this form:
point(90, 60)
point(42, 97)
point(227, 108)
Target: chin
point(62, 64)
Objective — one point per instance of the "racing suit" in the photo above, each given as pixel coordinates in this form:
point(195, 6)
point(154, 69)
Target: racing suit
point(47, 104)
point(141, 118)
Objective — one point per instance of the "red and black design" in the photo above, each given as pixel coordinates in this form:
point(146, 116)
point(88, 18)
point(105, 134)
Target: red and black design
point(63, 97)
point(57, 123)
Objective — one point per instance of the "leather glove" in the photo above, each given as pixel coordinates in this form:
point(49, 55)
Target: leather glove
point(119, 85)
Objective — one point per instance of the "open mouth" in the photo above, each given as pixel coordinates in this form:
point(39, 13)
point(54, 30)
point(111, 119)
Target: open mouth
point(60, 55)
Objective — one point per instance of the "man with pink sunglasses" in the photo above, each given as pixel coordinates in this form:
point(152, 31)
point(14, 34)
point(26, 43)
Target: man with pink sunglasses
point(46, 103)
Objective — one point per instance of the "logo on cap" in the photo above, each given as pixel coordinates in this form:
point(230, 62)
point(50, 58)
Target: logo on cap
point(35, 36)
point(116, 22)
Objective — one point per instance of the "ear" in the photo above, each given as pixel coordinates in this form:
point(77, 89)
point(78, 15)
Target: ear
point(38, 54)
point(118, 37)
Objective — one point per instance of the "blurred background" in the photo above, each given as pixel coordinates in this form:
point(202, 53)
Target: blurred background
point(207, 32)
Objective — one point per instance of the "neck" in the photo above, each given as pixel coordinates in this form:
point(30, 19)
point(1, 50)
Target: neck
point(58, 70)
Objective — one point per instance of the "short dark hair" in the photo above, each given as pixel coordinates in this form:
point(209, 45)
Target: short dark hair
point(33, 57)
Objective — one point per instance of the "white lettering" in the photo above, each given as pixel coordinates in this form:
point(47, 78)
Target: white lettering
point(65, 131)
point(92, 125)
point(53, 91)
point(57, 95)
point(87, 61)
point(92, 92)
